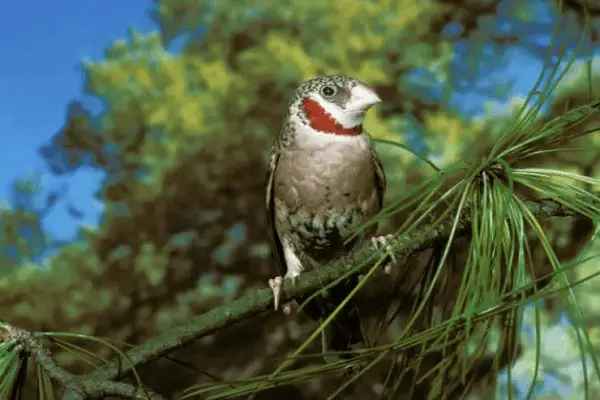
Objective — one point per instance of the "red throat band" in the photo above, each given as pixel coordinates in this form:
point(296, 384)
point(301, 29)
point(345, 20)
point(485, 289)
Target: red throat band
point(322, 121)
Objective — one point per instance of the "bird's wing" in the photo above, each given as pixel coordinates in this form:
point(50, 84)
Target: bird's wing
point(270, 203)
point(379, 176)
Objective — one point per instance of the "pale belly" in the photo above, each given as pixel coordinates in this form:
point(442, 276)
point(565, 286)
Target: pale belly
point(320, 201)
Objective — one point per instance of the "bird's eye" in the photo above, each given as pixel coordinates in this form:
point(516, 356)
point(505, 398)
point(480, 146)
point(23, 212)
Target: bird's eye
point(329, 91)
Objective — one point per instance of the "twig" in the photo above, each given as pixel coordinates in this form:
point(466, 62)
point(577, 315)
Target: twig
point(85, 388)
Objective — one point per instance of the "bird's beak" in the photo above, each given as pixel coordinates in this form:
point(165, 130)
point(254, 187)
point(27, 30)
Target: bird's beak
point(362, 97)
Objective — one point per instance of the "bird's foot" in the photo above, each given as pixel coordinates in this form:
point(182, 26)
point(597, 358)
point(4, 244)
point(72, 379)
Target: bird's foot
point(383, 241)
point(276, 284)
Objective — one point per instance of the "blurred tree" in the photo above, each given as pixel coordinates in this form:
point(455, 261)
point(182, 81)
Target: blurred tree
point(188, 116)
point(22, 236)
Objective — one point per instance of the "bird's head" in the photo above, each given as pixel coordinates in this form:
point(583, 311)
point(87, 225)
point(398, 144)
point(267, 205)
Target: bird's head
point(333, 104)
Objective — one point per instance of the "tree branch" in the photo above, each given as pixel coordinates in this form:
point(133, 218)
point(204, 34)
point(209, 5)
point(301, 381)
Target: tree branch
point(259, 301)
point(85, 388)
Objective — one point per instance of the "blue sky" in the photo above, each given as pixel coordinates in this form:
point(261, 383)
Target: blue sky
point(42, 48)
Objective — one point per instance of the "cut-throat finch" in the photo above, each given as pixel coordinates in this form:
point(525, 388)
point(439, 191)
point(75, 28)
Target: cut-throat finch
point(325, 181)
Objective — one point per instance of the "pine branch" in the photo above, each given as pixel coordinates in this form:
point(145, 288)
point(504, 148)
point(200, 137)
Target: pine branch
point(85, 388)
point(259, 301)
point(101, 382)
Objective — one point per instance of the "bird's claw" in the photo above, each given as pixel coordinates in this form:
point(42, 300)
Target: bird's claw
point(383, 241)
point(276, 284)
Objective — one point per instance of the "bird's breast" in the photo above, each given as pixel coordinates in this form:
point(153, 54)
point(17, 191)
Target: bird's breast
point(322, 195)
point(337, 173)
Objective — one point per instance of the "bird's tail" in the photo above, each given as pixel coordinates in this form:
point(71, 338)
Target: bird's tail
point(342, 334)
point(345, 330)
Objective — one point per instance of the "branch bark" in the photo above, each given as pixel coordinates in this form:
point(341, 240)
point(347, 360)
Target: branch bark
point(32, 343)
point(259, 301)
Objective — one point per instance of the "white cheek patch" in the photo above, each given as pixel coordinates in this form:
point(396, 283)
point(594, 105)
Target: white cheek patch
point(344, 118)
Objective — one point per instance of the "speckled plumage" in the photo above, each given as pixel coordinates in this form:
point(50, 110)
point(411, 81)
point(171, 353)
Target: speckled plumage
point(323, 185)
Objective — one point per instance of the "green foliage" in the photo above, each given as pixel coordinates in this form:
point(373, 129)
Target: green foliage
point(22, 237)
point(183, 139)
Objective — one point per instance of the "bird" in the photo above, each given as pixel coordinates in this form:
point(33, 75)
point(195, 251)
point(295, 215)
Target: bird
point(325, 180)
